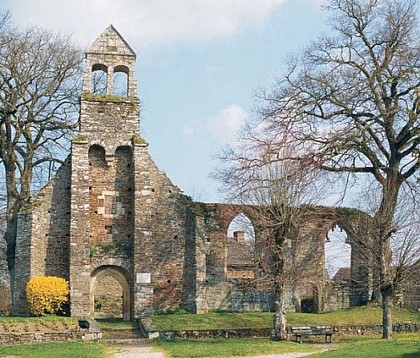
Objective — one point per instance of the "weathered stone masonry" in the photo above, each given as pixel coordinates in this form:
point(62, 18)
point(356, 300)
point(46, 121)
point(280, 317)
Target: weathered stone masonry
point(110, 212)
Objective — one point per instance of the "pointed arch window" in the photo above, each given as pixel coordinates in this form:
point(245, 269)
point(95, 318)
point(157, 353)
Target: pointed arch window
point(337, 254)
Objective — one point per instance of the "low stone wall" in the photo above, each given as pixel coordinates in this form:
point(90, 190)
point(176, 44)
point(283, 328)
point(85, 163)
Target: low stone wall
point(38, 337)
point(218, 333)
point(266, 332)
point(92, 333)
point(375, 329)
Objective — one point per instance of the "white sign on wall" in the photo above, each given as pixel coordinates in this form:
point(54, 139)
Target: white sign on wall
point(143, 277)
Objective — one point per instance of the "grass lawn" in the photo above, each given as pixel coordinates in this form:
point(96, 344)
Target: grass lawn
point(365, 315)
point(401, 346)
point(52, 350)
point(47, 323)
point(47, 318)
point(227, 347)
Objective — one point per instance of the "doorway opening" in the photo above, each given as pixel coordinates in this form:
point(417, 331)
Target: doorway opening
point(110, 293)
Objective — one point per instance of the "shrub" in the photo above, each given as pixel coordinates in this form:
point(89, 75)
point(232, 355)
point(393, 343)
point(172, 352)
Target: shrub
point(46, 294)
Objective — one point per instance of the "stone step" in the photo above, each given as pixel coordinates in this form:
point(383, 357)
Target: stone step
point(122, 334)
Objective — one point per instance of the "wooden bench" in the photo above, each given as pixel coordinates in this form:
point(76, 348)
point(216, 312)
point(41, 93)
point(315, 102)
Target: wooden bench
point(300, 332)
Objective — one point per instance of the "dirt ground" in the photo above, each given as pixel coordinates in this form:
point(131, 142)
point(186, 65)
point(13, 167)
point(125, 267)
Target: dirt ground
point(148, 352)
point(136, 352)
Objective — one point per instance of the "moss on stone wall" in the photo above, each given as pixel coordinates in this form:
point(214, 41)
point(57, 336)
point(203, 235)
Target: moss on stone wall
point(80, 138)
point(118, 248)
point(104, 97)
point(138, 139)
point(29, 206)
point(198, 209)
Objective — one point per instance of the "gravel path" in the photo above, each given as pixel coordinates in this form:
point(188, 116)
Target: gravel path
point(148, 352)
point(136, 352)
point(291, 355)
point(285, 355)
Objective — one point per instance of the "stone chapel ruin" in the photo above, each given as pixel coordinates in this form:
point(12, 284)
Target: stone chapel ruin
point(111, 223)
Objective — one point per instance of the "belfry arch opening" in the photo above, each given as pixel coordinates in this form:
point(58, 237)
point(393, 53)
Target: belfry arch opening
point(110, 293)
point(97, 156)
point(99, 79)
point(337, 254)
point(120, 81)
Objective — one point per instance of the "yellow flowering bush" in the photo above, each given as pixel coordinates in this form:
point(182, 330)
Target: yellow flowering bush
point(46, 294)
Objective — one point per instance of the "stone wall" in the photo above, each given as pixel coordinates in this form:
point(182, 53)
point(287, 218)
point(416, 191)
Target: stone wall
point(337, 296)
point(38, 337)
point(161, 232)
point(111, 194)
point(411, 291)
point(42, 244)
point(267, 332)
point(227, 274)
point(79, 231)
point(109, 122)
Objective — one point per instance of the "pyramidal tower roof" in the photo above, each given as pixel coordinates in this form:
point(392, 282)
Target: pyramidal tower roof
point(111, 42)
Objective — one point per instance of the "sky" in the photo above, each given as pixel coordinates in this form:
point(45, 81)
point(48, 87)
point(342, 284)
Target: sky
point(199, 65)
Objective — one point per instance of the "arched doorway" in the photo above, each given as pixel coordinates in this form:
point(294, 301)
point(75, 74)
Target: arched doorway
point(110, 292)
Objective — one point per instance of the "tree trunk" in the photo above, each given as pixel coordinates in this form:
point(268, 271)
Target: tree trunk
point(384, 225)
point(10, 237)
point(279, 317)
point(386, 312)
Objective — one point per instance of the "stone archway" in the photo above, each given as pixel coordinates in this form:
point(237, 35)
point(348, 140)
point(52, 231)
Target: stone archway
point(116, 274)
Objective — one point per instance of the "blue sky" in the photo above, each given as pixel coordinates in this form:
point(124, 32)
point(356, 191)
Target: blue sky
point(199, 65)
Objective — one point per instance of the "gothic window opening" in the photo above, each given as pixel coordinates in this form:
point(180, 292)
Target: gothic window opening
point(241, 230)
point(241, 248)
point(337, 254)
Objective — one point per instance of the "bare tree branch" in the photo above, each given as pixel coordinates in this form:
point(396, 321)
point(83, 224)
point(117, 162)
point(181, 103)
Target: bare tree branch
point(39, 91)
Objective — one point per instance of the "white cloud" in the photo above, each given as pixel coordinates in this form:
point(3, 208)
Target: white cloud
point(188, 130)
point(147, 22)
point(226, 124)
point(223, 127)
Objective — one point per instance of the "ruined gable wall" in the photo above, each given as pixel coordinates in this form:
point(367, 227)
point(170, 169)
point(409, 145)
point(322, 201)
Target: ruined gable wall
point(50, 214)
point(161, 231)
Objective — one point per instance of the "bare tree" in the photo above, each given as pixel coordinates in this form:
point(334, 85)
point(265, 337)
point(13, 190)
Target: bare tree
point(351, 104)
point(39, 89)
point(273, 193)
point(404, 242)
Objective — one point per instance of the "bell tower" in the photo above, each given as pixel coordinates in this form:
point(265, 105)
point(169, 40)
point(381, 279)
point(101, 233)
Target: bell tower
point(102, 174)
point(110, 108)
